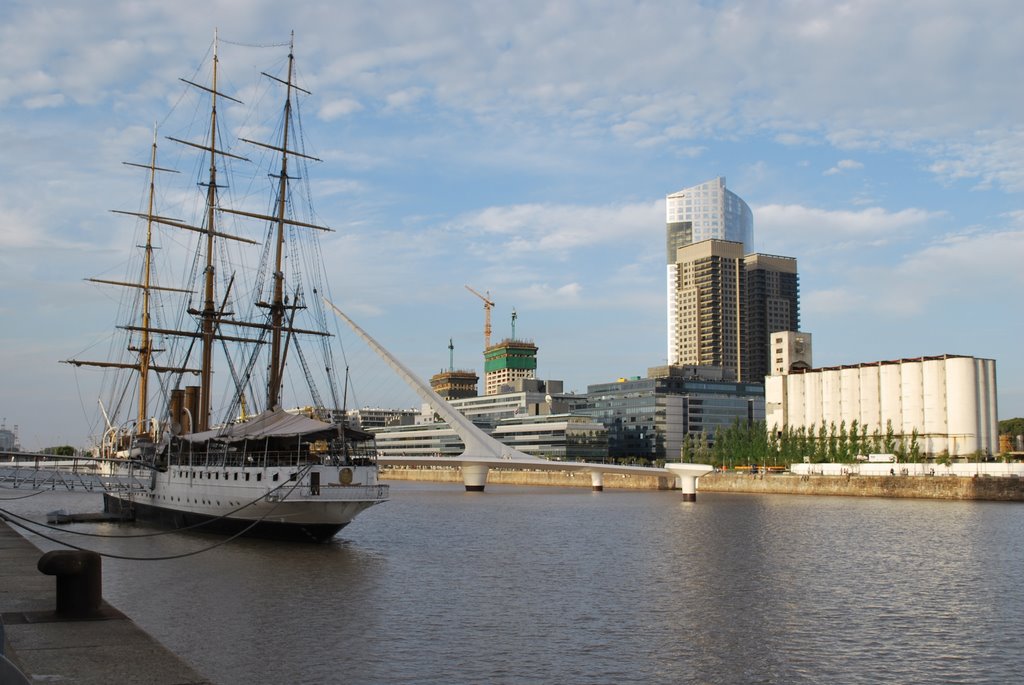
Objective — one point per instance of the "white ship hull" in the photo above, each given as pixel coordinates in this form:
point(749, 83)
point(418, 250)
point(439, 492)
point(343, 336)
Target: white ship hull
point(303, 503)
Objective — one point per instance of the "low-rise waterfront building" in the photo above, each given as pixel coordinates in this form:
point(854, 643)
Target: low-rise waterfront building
point(375, 418)
point(555, 436)
point(947, 403)
point(534, 417)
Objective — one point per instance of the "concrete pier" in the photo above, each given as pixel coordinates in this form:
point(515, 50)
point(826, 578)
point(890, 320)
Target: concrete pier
point(48, 645)
point(687, 474)
point(474, 477)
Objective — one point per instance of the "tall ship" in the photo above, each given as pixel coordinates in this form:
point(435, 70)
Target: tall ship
point(201, 372)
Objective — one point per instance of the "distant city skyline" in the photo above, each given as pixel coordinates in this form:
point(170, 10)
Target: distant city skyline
point(528, 150)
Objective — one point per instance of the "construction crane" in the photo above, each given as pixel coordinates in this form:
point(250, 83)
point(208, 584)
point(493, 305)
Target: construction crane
point(487, 315)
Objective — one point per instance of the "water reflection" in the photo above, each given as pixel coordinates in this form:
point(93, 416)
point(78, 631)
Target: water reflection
point(536, 585)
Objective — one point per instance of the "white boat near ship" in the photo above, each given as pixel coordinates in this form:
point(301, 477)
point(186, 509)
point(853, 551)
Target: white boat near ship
point(248, 467)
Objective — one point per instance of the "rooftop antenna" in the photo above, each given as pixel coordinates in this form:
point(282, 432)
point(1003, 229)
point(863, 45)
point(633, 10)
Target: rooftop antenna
point(451, 356)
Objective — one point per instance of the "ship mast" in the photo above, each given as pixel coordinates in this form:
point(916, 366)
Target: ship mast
point(209, 311)
point(145, 348)
point(210, 315)
point(277, 304)
point(278, 326)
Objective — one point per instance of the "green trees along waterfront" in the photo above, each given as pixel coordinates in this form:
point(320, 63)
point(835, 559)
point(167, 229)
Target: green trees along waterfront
point(751, 443)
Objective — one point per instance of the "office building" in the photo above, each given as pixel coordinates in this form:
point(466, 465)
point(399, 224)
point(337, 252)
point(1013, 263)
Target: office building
point(649, 418)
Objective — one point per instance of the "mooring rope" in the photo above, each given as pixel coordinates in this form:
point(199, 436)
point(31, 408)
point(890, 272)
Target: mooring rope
point(22, 522)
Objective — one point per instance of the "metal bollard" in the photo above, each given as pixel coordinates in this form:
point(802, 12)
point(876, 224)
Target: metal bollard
point(79, 581)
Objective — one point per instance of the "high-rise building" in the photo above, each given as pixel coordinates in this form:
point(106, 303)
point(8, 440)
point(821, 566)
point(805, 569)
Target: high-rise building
point(771, 301)
point(707, 211)
point(706, 301)
point(724, 305)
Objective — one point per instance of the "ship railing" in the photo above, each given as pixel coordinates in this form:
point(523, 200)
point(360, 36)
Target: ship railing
point(335, 493)
point(268, 459)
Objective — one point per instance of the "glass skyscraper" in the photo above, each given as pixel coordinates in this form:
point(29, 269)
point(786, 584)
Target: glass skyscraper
point(707, 211)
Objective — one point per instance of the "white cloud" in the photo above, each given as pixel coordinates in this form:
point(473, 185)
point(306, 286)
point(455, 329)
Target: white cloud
point(937, 283)
point(787, 138)
point(992, 157)
point(44, 101)
point(336, 109)
point(807, 230)
point(691, 152)
point(545, 296)
point(537, 127)
point(843, 165)
point(1016, 217)
point(912, 74)
point(556, 230)
point(405, 98)
point(338, 186)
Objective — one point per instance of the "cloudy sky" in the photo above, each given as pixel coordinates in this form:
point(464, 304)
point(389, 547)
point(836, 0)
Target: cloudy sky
point(526, 148)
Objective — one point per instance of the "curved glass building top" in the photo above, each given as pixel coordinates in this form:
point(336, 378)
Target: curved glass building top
point(707, 211)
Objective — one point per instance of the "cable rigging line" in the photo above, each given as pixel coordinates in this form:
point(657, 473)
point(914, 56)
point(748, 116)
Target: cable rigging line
point(16, 520)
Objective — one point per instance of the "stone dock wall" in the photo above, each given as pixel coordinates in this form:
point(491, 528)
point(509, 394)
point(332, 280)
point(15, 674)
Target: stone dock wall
point(920, 487)
point(563, 479)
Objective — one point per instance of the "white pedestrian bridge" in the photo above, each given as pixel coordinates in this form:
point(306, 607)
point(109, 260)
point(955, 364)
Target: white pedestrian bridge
point(483, 452)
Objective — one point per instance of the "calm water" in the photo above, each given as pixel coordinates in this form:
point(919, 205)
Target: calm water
point(541, 585)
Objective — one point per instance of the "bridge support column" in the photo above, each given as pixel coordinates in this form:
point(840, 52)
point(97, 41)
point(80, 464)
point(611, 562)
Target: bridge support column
point(474, 476)
point(688, 484)
point(688, 475)
point(597, 481)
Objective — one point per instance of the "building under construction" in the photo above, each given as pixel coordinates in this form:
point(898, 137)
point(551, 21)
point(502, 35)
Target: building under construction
point(507, 362)
point(455, 384)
